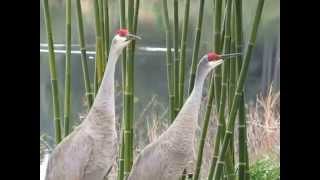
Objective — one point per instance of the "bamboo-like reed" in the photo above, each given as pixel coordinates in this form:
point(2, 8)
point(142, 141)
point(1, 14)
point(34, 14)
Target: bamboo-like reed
point(128, 97)
point(242, 138)
point(196, 45)
point(183, 53)
point(224, 84)
point(135, 20)
point(103, 40)
point(99, 56)
point(53, 74)
point(67, 85)
point(218, 41)
point(217, 48)
point(238, 92)
point(170, 78)
point(106, 28)
point(176, 56)
point(122, 145)
point(84, 64)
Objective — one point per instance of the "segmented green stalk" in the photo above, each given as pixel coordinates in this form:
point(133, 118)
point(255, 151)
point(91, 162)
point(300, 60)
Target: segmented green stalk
point(67, 85)
point(99, 56)
point(238, 92)
point(216, 76)
point(128, 97)
point(210, 97)
point(170, 78)
point(53, 74)
point(223, 98)
point(135, 22)
point(106, 28)
point(121, 158)
point(103, 40)
point(183, 53)
point(84, 64)
point(196, 45)
point(176, 56)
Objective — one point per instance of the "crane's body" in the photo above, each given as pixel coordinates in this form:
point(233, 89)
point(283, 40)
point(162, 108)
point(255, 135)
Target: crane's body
point(166, 157)
point(89, 152)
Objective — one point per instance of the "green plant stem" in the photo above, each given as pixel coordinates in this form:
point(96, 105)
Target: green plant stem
point(122, 151)
point(183, 53)
point(135, 22)
point(216, 76)
point(106, 27)
point(242, 140)
point(170, 78)
point(196, 45)
point(128, 96)
point(239, 90)
point(53, 74)
point(211, 94)
point(103, 40)
point(99, 64)
point(84, 63)
point(176, 56)
point(67, 85)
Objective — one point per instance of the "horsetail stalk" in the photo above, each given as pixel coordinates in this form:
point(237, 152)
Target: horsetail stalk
point(84, 64)
point(216, 76)
point(53, 74)
point(176, 56)
point(170, 78)
point(103, 41)
point(238, 92)
point(99, 65)
point(195, 53)
point(183, 53)
point(135, 20)
point(67, 85)
point(217, 48)
point(242, 140)
point(128, 97)
point(224, 85)
point(106, 27)
point(122, 25)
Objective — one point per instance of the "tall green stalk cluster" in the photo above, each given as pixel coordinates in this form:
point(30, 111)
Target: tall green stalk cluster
point(53, 74)
point(62, 128)
point(227, 90)
point(127, 147)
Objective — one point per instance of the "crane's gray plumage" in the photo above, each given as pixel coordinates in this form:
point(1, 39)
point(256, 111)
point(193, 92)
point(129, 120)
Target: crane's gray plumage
point(89, 152)
point(166, 157)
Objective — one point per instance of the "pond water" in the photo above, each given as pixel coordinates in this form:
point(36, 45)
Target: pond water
point(149, 65)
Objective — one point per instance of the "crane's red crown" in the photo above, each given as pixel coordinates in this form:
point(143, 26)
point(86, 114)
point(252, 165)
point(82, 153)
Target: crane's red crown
point(123, 32)
point(212, 56)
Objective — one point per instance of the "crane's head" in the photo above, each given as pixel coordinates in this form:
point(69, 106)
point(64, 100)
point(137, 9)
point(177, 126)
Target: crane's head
point(214, 59)
point(123, 38)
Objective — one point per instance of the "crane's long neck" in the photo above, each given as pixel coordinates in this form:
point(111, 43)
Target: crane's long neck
point(102, 111)
point(190, 110)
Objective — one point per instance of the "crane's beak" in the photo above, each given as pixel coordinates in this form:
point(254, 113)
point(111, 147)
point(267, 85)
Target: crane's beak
point(133, 37)
point(225, 56)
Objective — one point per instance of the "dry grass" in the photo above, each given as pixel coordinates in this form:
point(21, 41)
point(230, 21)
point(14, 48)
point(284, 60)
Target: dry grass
point(264, 125)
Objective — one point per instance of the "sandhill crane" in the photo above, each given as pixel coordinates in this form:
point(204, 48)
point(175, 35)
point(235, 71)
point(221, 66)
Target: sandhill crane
point(89, 152)
point(166, 157)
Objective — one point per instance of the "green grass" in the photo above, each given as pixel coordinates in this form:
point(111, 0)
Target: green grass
point(267, 168)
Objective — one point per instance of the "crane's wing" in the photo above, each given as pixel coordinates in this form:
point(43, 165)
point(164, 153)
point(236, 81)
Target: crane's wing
point(70, 158)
